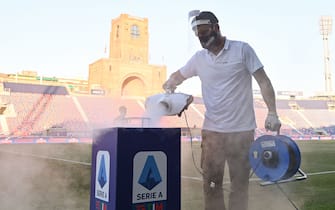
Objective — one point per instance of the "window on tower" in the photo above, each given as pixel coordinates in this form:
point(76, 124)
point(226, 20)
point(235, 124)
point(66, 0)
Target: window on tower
point(135, 32)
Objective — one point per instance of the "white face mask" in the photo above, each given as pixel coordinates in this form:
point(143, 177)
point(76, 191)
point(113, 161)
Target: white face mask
point(208, 40)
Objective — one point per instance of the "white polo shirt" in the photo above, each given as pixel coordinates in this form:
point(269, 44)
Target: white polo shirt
point(226, 82)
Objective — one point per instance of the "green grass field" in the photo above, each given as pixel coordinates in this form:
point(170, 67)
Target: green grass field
point(57, 177)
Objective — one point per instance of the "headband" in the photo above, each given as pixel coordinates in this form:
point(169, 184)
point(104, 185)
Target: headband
point(200, 22)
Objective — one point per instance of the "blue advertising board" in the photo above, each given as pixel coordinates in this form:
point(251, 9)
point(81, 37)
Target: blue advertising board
point(136, 169)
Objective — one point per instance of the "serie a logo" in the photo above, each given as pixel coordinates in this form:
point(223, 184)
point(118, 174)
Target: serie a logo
point(149, 180)
point(102, 176)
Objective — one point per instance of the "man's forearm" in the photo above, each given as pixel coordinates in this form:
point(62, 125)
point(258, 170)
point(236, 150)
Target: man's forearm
point(174, 80)
point(268, 95)
point(177, 77)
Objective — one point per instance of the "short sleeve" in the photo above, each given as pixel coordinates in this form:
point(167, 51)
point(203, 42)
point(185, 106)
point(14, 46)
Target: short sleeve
point(190, 68)
point(250, 58)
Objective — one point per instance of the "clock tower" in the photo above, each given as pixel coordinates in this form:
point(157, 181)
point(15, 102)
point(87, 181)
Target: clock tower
point(126, 71)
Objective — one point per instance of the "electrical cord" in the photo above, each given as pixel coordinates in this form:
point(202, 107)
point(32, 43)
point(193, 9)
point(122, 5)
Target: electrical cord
point(253, 171)
point(191, 139)
point(285, 194)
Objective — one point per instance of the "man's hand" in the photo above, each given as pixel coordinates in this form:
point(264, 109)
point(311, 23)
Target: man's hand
point(272, 122)
point(169, 86)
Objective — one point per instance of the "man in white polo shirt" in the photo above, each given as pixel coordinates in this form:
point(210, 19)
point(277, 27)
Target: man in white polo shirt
point(225, 68)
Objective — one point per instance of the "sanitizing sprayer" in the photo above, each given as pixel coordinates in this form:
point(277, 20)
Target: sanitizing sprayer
point(168, 103)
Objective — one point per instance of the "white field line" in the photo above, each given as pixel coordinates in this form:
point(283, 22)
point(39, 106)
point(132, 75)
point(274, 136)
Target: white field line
point(184, 177)
point(320, 173)
point(258, 179)
point(47, 157)
point(200, 179)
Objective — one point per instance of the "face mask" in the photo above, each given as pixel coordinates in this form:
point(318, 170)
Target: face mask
point(207, 40)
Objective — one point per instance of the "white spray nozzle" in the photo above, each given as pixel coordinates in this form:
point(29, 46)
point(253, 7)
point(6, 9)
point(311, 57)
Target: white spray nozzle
point(169, 103)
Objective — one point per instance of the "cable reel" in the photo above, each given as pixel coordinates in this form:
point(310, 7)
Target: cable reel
point(275, 158)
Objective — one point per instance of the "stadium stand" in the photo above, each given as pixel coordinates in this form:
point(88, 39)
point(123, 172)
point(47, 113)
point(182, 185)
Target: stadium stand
point(34, 88)
point(41, 110)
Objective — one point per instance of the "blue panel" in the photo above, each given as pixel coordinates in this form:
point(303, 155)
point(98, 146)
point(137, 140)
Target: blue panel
point(104, 141)
point(144, 168)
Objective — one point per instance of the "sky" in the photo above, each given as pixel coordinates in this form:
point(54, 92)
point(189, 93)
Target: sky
point(61, 38)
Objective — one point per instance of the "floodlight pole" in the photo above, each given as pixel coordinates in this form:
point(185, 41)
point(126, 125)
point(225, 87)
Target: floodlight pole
point(325, 30)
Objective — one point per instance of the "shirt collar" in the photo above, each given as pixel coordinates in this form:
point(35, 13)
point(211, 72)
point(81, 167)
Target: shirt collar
point(225, 47)
point(226, 44)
